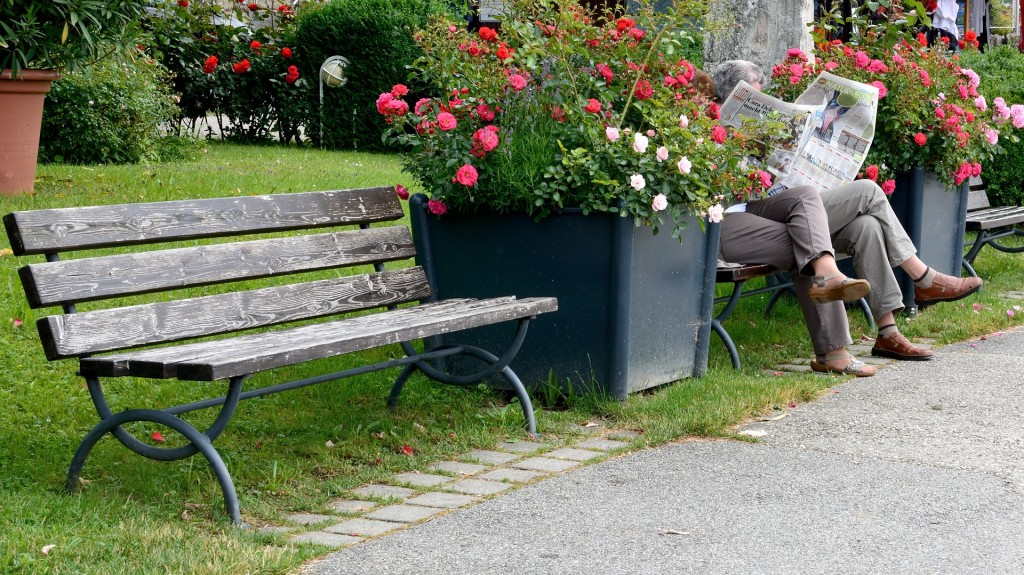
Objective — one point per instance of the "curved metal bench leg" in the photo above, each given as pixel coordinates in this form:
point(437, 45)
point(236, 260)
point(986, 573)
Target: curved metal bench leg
point(979, 242)
point(200, 441)
point(730, 346)
point(968, 268)
point(864, 307)
point(1008, 249)
point(495, 365)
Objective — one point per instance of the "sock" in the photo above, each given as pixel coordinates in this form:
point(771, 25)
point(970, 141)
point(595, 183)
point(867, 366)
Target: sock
point(887, 330)
point(925, 281)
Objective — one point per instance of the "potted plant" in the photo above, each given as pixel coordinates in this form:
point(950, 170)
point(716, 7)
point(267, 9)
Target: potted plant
point(934, 130)
point(37, 41)
point(577, 157)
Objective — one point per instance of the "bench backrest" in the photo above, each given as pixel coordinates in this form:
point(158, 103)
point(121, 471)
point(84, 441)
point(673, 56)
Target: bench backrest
point(977, 198)
point(265, 252)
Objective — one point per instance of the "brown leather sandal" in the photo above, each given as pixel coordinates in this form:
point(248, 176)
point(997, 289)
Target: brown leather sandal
point(847, 290)
point(854, 367)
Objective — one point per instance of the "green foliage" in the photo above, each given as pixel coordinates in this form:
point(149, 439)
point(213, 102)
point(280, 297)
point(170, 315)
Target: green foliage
point(1002, 74)
point(63, 34)
point(251, 101)
point(376, 37)
point(111, 112)
point(561, 110)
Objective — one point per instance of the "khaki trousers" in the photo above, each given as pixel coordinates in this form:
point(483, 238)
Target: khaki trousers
point(790, 229)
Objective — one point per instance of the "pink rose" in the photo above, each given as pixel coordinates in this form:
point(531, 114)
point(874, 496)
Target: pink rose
point(637, 182)
point(882, 90)
point(436, 207)
point(662, 154)
point(861, 59)
point(402, 192)
point(920, 139)
point(640, 142)
point(888, 187)
point(992, 136)
point(660, 202)
point(517, 81)
point(446, 121)
point(831, 65)
point(683, 121)
point(466, 175)
point(612, 133)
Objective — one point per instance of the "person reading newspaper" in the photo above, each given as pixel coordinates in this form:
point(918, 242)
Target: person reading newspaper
point(815, 207)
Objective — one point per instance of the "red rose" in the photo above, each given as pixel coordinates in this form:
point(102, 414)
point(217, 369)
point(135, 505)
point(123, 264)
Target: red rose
point(399, 90)
point(255, 45)
point(920, 139)
point(437, 207)
point(210, 65)
point(253, 6)
point(488, 34)
point(241, 67)
point(286, 52)
point(643, 90)
point(183, 3)
point(485, 112)
point(402, 192)
point(718, 134)
point(593, 106)
point(504, 53)
point(466, 176)
point(284, 9)
point(872, 172)
point(605, 73)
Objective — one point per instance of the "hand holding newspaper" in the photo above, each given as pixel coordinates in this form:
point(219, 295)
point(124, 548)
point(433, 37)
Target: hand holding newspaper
point(832, 125)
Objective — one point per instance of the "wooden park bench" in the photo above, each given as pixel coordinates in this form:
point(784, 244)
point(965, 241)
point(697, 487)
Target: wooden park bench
point(777, 283)
point(118, 340)
point(991, 224)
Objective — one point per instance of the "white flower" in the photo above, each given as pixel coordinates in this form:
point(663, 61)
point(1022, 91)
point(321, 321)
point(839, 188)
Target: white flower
point(640, 143)
point(659, 203)
point(683, 121)
point(684, 165)
point(637, 181)
point(612, 133)
point(662, 154)
point(715, 213)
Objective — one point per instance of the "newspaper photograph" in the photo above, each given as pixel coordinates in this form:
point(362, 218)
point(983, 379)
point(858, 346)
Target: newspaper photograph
point(832, 125)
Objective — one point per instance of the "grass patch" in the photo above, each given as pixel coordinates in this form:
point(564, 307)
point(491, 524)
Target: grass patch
point(139, 516)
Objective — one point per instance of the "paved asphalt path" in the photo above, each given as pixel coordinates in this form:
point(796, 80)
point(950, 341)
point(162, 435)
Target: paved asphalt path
point(916, 470)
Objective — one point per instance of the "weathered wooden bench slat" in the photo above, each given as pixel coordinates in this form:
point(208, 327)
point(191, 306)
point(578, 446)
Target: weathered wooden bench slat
point(160, 362)
point(220, 359)
point(102, 277)
point(63, 229)
point(77, 334)
point(995, 218)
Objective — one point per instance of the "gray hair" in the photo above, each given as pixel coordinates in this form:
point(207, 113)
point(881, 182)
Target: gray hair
point(729, 73)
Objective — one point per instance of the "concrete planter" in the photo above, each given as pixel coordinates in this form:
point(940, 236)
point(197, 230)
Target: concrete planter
point(934, 217)
point(634, 308)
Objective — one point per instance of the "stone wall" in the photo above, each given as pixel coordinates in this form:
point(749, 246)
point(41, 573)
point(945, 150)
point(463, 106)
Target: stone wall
point(756, 30)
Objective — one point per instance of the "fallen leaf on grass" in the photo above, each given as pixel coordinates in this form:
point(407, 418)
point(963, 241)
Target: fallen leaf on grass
point(675, 532)
point(329, 444)
point(157, 437)
point(47, 548)
point(419, 428)
point(406, 450)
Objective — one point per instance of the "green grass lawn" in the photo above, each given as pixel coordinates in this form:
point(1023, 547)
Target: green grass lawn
point(294, 451)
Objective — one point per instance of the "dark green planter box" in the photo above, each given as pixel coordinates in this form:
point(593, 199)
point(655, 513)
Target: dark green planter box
point(634, 308)
point(934, 217)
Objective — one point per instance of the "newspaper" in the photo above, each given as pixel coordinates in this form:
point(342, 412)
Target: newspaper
point(831, 127)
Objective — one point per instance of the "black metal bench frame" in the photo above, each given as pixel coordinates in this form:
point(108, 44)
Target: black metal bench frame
point(777, 283)
point(123, 337)
point(991, 224)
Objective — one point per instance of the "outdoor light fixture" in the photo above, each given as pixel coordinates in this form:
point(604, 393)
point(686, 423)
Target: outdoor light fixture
point(332, 73)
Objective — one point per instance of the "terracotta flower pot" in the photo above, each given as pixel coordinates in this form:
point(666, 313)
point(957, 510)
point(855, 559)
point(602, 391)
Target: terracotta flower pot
point(21, 103)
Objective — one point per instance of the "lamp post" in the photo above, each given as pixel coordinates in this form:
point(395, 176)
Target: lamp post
point(332, 73)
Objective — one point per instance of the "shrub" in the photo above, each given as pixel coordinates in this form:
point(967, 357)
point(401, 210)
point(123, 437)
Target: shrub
point(205, 45)
point(376, 37)
point(110, 112)
point(1002, 74)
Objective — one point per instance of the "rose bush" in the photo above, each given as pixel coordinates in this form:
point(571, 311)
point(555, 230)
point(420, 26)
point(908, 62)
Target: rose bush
point(563, 110)
point(930, 112)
